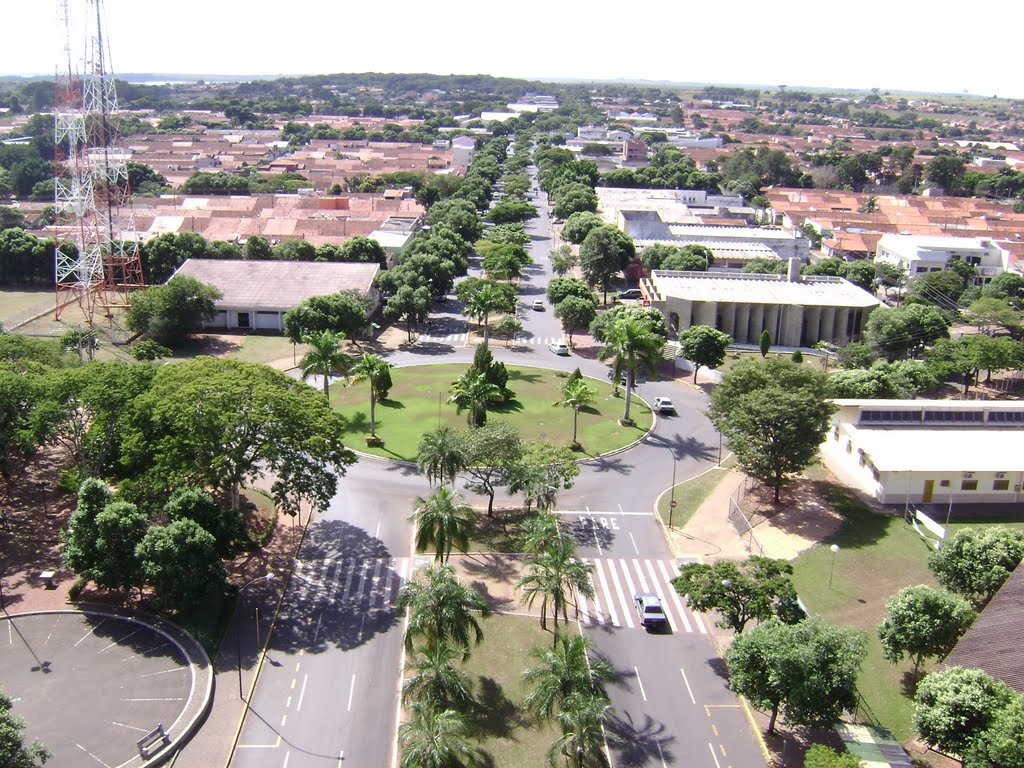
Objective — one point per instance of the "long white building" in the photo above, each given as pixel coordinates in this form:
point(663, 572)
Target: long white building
point(920, 255)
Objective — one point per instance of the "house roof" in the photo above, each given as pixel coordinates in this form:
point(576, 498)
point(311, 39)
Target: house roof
point(729, 287)
point(277, 285)
point(992, 644)
point(941, 449)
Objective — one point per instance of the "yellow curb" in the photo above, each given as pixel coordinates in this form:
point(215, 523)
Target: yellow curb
point(769, 760)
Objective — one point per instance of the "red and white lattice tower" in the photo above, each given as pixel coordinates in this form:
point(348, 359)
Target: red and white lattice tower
point(97, 256)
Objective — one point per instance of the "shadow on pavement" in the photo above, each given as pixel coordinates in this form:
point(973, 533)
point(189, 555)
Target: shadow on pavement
point(585, 531)
point(684, 447)
point(636, 746)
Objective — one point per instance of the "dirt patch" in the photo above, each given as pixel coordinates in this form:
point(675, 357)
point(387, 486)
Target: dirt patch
point(802, 518)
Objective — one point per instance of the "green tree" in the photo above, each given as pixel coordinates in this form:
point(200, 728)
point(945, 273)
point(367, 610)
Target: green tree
point(1000, 746)
point(472, 393)
point(365, 250)
point(605, 252)
point(442, 522)
point(563, 260)
point(649, 318)
point(806, 671)
point(754, 589)
point(975, 562)
point(921, 622)
point(120, 528)
point(436, 681)
point(490, 453)
point(372, 369)
point(954, 708)
point(169, 313)
point(773, 415)
point(14, 753)
point(575, 313)
point(567, 669)
point(485, 298)
point(80, 538)
point(342, 313)
point(442, 609)
point(227, 526)
point(572, 199)
point(508, 327)
point(905, 330)
point(764, 343)
point(820, 756)
point(560, 288)
point(578, 225)
point(536, 531)
point(582, 721)
point(148, 350)
point(555, 575)
point(325, 358)
point(542, 472)
point(18, 396)
point(409, 304)
point(441, 455)
point(704, 347)
point(181, 563)
point(576, 394)
point(222, 423)
point(435, 739)
point(632, 347)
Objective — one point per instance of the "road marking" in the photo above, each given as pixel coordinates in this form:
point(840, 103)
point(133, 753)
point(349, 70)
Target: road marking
point(129, 727)
point(180, 698)
point(640, 683)
point(629, 580)
point(597, 542)
point(341, 756)
point(661, 755)
point(348, 581)
point(376, 534)
point(598, 614)
point(298, 665)
point(640, 576)
point(166, 671)
point(588, 513)
point(293, 683)
point(288, 703)
point(90, 754)
point(275, 745)
point(689, 690)
point(374, 584)
point(116, 642)
point(362, 623)
point(319, 619)
point(83, 640)
point(721, 748)
point(626, 612)
point(714, 729)
point(302, 693)
point(351, 691)
point(364, 571)
point(286, 756)
point(604, 585)
point(284, 719)
point(713, 755)
point(675, 596)
point(51, 632)
point(635, 548)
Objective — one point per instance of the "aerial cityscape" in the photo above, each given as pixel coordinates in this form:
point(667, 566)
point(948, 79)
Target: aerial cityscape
point(477, 390)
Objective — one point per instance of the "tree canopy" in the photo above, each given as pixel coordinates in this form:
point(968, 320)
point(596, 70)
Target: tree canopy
point(169, 313)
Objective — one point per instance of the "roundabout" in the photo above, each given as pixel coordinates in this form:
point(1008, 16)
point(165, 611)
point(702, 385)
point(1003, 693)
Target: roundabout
point(104, 687)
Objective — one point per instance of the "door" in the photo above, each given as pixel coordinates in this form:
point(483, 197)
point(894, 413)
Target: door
point(243, 319)
point(929, 488)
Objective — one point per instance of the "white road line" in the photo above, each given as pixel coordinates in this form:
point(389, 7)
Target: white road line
point(364, 572)
point(335, 582)
point(90, 754)
point(351, 691)
point(623, 599)
point(180, 698)
point(636, 549)
point(689, 690)
point(640, 683)
point(629, 580)
point(597, 542)
point(376, 534)
point(116, 642)
point(661, 755)
point(640, 576)
point(275, 745)
point(286, 756)
point(700, 623)
point(51, 632)
point(616, 514)
point(319, 619)
point(581, 600)
point(598, 615)
point(675, 597)
point(341, 756)
point(714, 756)
point(164, 672)
point(284, 719)
point(89, 633)
point(302, 693)
point(389, 586)
point(658, 591)
point(604, 585)
point(375, 583)
point(129, 727)
point(348, 580)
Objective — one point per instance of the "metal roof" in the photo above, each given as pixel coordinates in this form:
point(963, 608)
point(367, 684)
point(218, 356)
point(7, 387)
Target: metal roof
point(728, 287)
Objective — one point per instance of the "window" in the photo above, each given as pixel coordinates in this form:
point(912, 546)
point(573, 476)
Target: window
point(969, 485)
point(1000, 485)
point(944, 483)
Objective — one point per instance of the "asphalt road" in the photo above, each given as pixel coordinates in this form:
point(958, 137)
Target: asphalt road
point(327, 693)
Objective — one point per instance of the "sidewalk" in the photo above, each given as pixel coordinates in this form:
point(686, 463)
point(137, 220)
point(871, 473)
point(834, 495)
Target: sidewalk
point(709, 535)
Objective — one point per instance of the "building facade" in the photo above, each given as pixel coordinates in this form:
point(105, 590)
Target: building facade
point(921, 255)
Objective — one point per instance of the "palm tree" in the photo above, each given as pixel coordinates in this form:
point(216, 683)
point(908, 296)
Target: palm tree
point(324, 357)
point(442, 523)
point(486, 299)
point(537, 531)
point(473, 393)
point(632, 346)
point(442, 609)
point(565, 671)
point(553, 575)
point(372, 368)
point(434, 739)
point(583, 735)
point(437, 682)
point(576, 394)
point(440, 455)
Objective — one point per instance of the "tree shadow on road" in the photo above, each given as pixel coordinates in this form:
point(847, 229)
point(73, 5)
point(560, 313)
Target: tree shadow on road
point(683, 447)
point(637, 746)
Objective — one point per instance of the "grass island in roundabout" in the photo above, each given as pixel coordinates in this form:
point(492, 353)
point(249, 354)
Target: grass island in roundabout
point(418, 403)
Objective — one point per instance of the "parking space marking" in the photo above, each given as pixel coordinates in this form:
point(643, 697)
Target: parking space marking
point(689, 690)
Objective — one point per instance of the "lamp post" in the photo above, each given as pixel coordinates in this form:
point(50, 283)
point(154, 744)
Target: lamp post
point(238, 630)
point(672, 497)
point(832, 570)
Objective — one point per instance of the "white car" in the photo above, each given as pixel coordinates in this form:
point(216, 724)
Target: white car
point(664, 405)
point(538, 305)
point(559, 347)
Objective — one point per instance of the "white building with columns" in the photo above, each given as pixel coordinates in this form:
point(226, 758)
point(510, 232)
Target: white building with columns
point(797, 311)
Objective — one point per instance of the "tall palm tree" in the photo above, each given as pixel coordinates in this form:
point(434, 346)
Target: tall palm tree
point(565, 671)
point(442, 522)
point(324, 357)
point(371, 368)
point(437, 681)
point(583, 735)
point(433, 739)
point(633, 347)
point(576, 394)
point(488, 298)
point(537, 531)
point(441, 455)
point(442, 609)
point(554, 575)
point(473, 393)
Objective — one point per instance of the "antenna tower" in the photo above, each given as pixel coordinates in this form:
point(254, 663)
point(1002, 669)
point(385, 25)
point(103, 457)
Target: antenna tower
point(97, 255)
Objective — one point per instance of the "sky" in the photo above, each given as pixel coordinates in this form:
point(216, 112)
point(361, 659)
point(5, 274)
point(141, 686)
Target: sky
point(896, 45)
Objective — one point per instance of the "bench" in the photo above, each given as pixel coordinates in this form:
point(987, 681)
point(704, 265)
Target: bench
point(153, 742)
point(47, 578)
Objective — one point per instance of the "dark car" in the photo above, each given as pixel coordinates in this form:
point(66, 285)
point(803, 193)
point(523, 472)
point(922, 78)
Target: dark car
point(632, 293)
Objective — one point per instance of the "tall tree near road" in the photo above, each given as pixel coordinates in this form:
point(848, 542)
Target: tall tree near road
point(372, 369)
point(565, 670)
point(584, 736)
point(436, 739)
point(605, 252)
point(169, 313)
point(490, 453)
point(554, 575)
point(442, 609)
point(704, 347)
point(436, 680)
point(632, 348)
point(441, 455)
point(577, 394)
point(473, 393)
point(181, 563)
point(442, 522)
point(485, 299)
point(325, 357)
point(764, 343)
point(575, 313)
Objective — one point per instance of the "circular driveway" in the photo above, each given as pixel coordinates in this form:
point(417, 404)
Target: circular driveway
point(90, 685)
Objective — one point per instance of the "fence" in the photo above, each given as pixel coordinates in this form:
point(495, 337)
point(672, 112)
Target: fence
point(739, 520)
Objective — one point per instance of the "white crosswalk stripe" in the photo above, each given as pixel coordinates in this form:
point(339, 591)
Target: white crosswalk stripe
point(366, 583)
point(616, 580)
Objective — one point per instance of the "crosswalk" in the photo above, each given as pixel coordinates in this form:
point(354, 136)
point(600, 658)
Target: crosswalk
point(363, 583)
point(462, 339)
point(616, 580)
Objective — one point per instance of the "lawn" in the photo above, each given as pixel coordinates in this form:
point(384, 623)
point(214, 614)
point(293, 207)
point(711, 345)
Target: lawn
point(256, 348)
point(18, 306)
point(418, 403)
point(691, 494)
point(878, 555)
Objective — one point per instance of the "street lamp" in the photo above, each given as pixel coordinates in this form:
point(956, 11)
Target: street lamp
point(835, 549)
point(238, 631)
point(672, 498)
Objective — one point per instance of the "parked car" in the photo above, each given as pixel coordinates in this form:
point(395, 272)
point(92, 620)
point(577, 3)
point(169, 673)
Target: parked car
point(664, 405)
point(559, 347)
point(638, 379)
point(631, 293)
point(648, 608)
point(538, 305)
